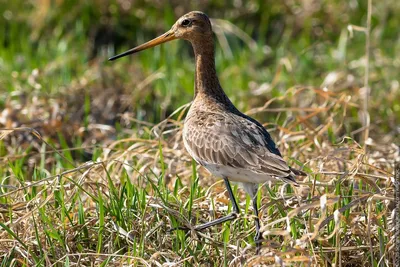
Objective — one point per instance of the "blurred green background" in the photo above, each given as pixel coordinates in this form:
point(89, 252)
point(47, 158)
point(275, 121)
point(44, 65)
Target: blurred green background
point(54, 69)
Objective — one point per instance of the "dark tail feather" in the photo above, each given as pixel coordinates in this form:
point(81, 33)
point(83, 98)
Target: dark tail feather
point(289, 180)
point(298, 172)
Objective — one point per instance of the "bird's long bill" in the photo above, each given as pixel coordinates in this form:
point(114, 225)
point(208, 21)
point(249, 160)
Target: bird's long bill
point(168, 36)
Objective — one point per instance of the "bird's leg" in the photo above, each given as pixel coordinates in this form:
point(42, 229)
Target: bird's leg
point(231, 196)
point(257, 237)
point(229, 217)
point(226, 218)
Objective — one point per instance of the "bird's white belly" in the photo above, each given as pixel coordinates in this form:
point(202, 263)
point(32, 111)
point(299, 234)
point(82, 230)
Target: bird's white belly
point(238, 175)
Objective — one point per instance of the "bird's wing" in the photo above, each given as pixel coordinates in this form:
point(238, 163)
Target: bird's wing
point(235, 141)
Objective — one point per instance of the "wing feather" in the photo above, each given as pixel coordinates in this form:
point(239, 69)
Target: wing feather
point(233, 140)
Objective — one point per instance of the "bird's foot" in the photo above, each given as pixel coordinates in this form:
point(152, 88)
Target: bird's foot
point(258, 241)
point(183, 228)
point(201, 227)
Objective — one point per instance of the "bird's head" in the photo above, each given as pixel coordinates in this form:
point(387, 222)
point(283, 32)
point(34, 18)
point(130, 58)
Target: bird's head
point(192, 26)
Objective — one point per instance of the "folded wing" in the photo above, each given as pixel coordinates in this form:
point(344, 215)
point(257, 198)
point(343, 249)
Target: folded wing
point(235, 141)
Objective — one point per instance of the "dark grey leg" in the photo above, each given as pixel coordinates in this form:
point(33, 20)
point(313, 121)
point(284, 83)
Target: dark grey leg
point(231, 196)
point(226, 218)
point(257, 237)
point(229, 217)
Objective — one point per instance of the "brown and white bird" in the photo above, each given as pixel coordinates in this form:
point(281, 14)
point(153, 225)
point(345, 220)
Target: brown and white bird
point(216, 134)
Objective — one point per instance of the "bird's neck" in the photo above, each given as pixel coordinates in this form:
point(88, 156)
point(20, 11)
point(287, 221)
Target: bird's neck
point(206, 80)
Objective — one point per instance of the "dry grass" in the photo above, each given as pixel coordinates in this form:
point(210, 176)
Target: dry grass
point(341, 214)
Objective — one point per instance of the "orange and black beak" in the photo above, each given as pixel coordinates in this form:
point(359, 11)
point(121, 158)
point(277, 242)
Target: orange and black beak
point(166, 37)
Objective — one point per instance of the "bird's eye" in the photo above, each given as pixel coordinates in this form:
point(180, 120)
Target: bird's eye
point(186, 22)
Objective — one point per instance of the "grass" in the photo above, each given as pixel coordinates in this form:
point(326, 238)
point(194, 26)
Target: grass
point(92, 165)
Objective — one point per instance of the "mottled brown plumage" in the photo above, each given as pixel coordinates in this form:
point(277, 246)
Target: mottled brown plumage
point(217, 135)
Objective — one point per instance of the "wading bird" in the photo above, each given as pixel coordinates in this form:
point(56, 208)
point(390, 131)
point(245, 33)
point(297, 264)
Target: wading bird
point(216, 134)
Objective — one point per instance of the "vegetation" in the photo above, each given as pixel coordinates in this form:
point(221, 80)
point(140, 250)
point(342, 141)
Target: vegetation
point(92, 166)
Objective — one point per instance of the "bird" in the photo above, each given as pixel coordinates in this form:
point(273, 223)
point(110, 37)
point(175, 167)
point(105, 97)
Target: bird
point(228, 143)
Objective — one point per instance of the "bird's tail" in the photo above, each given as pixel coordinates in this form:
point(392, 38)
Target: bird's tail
point(289, 180)
point(297, 172)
